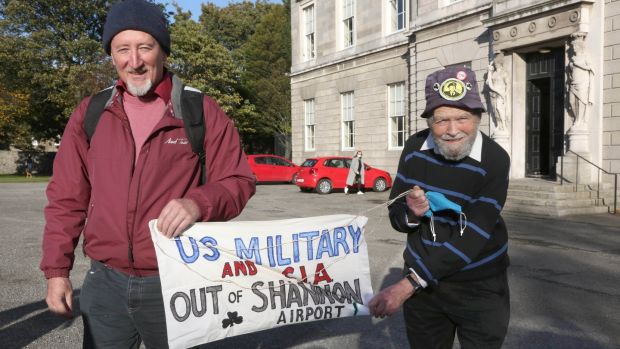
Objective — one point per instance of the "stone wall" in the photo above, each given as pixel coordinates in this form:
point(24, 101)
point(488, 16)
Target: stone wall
point(14, 162)
point(9, 161)
point(368, 77)
point(611, 87)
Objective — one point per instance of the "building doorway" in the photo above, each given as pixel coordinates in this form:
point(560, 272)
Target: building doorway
point(544, 112)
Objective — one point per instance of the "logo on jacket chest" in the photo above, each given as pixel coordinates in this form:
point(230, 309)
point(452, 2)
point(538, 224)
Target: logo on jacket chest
point(176, 141)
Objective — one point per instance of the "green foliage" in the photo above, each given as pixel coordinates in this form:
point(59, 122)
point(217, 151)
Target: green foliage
point(256, 37)
point(267, 59)
point(13, 112)
point(52, 52)
point(51, 57)
point(205, 64)
point(23, 179)
point(234, 24)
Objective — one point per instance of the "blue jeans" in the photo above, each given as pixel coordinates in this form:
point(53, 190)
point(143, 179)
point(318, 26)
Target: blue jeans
point(121, 310)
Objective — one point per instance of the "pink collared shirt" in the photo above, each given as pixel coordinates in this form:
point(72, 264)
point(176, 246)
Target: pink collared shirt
point(143, 114)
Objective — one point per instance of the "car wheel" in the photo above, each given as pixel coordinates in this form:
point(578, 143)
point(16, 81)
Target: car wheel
point(324, 186)
point(294, 179)
point(380, 184)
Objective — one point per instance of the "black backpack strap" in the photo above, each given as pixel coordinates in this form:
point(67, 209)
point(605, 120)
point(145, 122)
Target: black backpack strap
point(193, 120)
point(94, 110)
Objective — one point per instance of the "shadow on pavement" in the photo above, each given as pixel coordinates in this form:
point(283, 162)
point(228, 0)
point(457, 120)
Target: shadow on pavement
point(20, 333)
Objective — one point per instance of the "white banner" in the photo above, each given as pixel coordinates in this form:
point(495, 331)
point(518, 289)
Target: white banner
point(224, 279)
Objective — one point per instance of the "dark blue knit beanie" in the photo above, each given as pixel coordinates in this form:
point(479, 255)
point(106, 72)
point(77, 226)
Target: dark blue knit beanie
point(136, 15)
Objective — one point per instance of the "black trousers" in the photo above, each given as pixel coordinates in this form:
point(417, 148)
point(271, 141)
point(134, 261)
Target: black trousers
point(121, 311)
point(477, 311)
point(358, 182)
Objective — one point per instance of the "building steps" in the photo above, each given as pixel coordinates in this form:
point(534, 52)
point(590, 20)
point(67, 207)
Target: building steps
point(549, 198)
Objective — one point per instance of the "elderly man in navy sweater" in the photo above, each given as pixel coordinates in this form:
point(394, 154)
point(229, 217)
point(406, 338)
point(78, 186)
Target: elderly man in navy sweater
point(450, 188)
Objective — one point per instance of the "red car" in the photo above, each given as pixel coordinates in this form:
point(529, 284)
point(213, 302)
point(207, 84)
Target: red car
point(325, 174)
point(272, 168)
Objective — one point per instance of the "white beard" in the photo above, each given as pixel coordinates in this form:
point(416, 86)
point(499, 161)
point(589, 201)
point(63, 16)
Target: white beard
point(459, 153)
point(140, 91)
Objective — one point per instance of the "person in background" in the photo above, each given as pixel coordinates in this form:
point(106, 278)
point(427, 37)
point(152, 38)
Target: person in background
point(137, 166)
point(29, 166)
point(451, 185)
point(356, 174)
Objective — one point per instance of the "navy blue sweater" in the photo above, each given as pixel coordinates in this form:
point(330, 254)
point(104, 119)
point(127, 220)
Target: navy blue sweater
point(480, 188)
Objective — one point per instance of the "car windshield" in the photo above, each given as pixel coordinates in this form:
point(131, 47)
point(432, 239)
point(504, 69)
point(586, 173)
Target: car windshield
point(309, 163)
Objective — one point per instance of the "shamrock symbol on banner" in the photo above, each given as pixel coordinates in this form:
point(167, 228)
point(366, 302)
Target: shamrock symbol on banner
point(232, 319)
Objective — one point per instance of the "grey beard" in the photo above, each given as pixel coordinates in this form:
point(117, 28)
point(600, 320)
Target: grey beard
point(140, 91)
point(458, 154)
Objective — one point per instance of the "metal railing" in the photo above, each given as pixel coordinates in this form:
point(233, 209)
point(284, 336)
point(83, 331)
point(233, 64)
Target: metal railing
point(598, 181)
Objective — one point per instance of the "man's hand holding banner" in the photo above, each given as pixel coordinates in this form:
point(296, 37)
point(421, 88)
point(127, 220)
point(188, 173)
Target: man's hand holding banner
point(225, 279)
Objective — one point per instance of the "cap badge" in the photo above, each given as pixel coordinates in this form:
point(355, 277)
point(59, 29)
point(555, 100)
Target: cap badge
point(453, 89)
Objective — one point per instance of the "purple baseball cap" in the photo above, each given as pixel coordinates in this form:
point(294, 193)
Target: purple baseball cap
point(454, 86)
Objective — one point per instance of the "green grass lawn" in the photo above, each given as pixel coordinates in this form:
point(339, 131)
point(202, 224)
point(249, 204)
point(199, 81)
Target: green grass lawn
point(23, 179)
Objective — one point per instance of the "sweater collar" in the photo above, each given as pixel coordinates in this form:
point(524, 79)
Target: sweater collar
point(476, 149)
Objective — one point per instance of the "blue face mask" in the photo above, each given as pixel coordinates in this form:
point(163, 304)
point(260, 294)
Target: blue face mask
point(438, 202)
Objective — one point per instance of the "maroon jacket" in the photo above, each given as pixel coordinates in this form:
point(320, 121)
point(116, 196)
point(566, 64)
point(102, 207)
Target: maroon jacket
point(100, 182)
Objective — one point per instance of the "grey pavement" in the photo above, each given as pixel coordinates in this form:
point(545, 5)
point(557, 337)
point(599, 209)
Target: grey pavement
point(564, 277)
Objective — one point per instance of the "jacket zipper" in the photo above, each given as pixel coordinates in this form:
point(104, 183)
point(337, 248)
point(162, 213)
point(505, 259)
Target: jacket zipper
point(130, 230)
point(125, 122)
point(139, 189)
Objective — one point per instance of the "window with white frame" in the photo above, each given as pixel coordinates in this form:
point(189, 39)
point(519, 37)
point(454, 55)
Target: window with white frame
point(309, 46)
point(396, 114)
point(397, 11)
point(348, 10)
point(310, 123)
point(348, 120)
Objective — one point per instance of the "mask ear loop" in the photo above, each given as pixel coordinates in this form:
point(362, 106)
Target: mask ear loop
point(433, 227)
point(462, 217)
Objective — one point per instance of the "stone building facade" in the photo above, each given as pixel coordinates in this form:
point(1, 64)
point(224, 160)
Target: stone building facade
point(549, 72)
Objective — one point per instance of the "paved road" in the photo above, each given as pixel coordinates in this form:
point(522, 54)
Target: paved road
point(564, 277)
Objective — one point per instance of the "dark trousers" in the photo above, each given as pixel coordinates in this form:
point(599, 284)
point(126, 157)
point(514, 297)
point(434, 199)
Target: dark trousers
point(120, 310)
point(358, 182)
point(477, 311)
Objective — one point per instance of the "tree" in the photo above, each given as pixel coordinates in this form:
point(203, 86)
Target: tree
point(50, 51)
point(13, 111)
point(51, 57)
point(205, 64)
point(233, 25)
point(266, 58)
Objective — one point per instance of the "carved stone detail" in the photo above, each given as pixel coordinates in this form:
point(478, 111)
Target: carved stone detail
point(514, 31)
point(553, 26)
point(574, 16)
